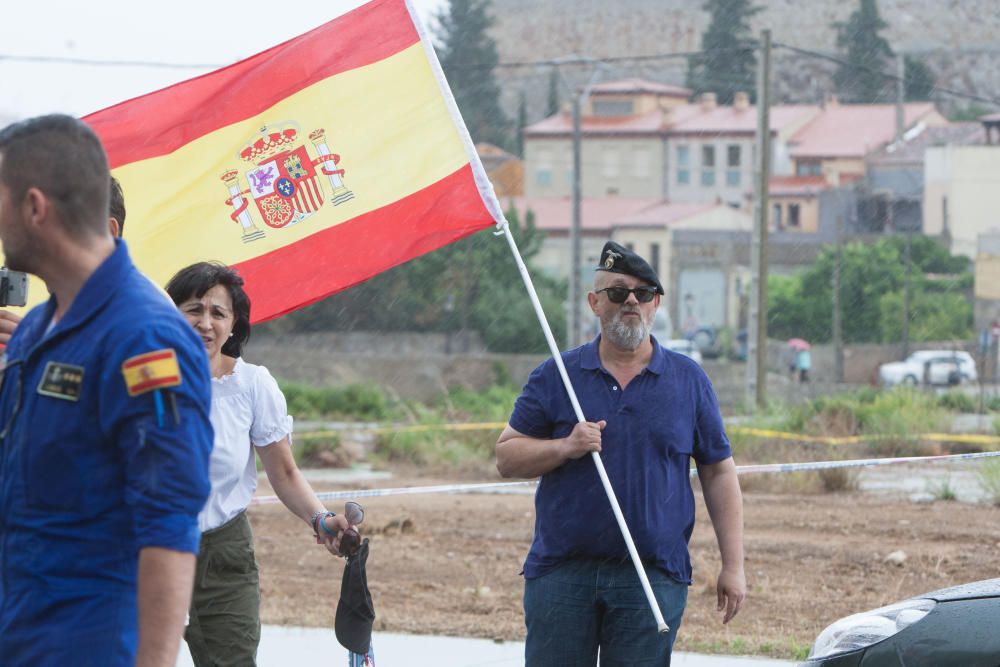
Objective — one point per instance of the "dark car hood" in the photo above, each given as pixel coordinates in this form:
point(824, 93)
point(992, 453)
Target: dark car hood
point(988, 588)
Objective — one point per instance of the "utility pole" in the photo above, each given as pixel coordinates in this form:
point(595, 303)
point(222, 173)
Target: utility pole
point(907, 293)
point(573, 333)
point(900, 97)
point(838, 335)
point(578, 96)
point(757, 339)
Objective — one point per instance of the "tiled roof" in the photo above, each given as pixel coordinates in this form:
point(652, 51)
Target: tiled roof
point(919, 139)
point(729, 119)
point(796, 185)
point(492, 156)
point(853, 130)
point(562, 125)
point(680, 119)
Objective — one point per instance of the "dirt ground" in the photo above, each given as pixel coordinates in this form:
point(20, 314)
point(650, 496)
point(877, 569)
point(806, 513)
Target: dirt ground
point(449, 564)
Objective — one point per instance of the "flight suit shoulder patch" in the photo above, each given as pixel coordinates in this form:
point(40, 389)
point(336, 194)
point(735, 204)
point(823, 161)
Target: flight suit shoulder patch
point(151, 370)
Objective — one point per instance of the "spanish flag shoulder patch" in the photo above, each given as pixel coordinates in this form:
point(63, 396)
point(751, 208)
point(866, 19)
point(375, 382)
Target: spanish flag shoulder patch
point(152, 370)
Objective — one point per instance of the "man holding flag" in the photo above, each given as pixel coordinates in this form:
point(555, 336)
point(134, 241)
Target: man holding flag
point(649, 411)
point(104, 427)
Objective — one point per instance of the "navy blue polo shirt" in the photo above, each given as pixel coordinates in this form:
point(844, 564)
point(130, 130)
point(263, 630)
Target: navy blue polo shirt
point(666, 415)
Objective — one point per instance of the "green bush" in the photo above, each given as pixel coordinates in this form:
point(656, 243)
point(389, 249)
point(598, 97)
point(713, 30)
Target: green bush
point(957, 401)
point(352, 403)
point(989, 479)
point(493, 404)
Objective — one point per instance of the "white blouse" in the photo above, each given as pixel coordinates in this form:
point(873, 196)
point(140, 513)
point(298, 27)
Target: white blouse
point(248, 409)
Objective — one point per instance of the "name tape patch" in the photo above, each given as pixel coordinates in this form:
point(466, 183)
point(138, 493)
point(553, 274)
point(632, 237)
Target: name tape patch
point(152, 370)
point(61, 381)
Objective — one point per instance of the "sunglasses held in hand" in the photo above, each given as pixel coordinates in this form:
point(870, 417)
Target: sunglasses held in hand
point(350, 540)
point(620, 294)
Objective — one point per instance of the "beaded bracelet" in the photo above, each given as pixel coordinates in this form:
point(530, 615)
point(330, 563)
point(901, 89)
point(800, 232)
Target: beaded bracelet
point(319, 521)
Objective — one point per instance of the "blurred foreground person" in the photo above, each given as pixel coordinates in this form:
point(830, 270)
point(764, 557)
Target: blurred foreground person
point(649, 411)
point(249, 414)
point(104, 426)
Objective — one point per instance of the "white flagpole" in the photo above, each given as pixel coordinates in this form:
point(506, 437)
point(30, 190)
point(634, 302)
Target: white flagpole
point(661, 625)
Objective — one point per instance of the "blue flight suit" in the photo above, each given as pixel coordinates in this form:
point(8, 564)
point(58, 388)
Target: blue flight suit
point(89, 474)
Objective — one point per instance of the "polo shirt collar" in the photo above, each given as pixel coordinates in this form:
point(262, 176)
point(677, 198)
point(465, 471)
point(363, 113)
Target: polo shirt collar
point(590, 359)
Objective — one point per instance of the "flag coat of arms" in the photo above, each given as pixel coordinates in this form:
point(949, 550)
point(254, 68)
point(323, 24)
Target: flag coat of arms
point(309, 167)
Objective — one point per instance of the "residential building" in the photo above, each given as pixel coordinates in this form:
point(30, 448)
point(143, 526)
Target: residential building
point(892, 191)
point(645, 225)
point(505, 170)
point(961, 197)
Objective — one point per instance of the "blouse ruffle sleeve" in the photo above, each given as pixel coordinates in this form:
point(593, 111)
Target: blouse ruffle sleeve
point(271, 421)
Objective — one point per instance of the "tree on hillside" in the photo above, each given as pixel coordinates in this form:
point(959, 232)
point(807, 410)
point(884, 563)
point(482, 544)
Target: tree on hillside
point(522, 122)
point(872, 282)
point(469, 57)
point(869, 58)
point(918, 80)
point(728, 62)
point(552, 107)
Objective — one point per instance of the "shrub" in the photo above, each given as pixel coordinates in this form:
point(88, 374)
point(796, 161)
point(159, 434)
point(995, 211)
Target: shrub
point(352, 402)
point(989, 479)
point(957, 401)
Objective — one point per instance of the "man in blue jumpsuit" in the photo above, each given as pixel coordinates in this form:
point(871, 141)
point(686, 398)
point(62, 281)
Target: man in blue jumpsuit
point(104, 424)
point(649, 412)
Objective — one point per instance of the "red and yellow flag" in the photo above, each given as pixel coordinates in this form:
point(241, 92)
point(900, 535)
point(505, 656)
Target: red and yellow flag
point(309, 167)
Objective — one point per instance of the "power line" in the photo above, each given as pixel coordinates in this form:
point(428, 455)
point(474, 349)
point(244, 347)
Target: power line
point(65, 60)
point(526, 64)
point(882, 73)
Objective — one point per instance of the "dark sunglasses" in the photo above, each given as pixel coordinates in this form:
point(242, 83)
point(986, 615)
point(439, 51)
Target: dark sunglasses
point(350, 540)
point(620, 294)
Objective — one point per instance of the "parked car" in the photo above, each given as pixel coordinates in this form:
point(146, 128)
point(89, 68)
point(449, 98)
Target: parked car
point(938, 367)
point(954, 627)
point(683, 346)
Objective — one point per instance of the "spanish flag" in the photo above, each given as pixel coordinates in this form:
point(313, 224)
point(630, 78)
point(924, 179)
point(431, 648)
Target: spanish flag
point(309, 167)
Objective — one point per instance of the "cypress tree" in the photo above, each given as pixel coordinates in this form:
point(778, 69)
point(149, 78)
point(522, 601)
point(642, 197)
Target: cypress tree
point(728, 61)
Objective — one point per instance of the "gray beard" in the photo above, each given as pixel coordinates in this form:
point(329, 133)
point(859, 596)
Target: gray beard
point(624, 335)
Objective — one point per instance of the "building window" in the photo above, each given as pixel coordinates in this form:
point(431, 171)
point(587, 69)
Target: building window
point(543, 172)
point(808, 169)
point(610, 164)
point(733, 166)
point(793, 215)
point(613, 107)
point(733, 156)
point(708, 165)
point(654, 257)
point(683, 165)
point(640, 163)
point(777, 216)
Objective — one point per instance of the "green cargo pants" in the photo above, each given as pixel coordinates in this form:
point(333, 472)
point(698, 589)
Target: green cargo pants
point(224, 621)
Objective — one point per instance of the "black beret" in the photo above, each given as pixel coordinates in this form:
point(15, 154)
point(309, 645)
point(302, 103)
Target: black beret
point(616, 258)
point(355, 611)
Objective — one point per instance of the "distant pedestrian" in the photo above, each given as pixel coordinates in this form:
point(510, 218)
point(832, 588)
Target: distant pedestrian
point(803, 361)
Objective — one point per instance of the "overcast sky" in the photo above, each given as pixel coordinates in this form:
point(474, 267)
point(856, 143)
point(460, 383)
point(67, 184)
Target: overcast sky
point(176, 31)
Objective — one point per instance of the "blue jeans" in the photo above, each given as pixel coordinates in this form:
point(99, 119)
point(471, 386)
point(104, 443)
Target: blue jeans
point(590, 605)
